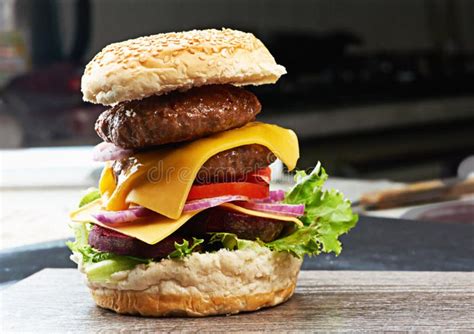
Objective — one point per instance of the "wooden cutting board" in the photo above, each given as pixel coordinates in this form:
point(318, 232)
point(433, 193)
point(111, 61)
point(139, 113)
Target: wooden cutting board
point(55, 300)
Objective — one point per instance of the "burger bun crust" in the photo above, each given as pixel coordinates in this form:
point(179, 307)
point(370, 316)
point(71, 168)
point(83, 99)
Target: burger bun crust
point(154, 65)
point(224, 282)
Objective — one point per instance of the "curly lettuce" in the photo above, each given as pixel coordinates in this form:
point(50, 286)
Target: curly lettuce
point(230, 241)
point(184, 249)
point(327, 216)
point(304, 241)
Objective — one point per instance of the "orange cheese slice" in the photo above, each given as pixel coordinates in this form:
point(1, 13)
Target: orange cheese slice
point(160, 180)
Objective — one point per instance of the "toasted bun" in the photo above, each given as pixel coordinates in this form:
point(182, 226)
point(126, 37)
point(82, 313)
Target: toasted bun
point(153, 65)
point(224, 282)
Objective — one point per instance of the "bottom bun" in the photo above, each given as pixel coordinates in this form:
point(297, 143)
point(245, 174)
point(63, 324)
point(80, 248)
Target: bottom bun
point(224, 282)
point(156, 305)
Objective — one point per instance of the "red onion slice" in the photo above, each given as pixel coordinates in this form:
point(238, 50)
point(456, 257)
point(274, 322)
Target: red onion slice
point(108, 151)
point(295, 210)
point(275, 196)
point(269, 204)
point(123, 216)
point(134, 213)
point(206, 203)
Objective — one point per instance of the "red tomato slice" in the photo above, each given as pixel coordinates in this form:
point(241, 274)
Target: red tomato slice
point(251, 190)
point(263, 175)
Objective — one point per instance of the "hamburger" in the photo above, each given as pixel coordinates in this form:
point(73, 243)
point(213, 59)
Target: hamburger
point(184, 222)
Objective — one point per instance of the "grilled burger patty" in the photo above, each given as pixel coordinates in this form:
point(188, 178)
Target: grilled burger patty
point(177, 116)
point(211, 220)
point(244, 226)
point(227, 166)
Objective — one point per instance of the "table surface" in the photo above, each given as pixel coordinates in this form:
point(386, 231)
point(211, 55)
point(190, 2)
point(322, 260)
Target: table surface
point(56, 300)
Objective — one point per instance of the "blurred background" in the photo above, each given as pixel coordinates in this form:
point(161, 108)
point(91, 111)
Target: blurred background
point(382, 92)
point(374, 88)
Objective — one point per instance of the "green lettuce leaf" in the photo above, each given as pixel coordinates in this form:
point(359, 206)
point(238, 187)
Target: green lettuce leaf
point(301, 242)
point(99, 266)
point(327, 215)
point(91, 195)
point(304, 241)
point(230, 241)
point(182, 250)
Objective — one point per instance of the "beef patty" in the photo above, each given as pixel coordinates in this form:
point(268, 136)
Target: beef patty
point(211, 220)
point(177, 116)
point(244, 226)
point(227, 166)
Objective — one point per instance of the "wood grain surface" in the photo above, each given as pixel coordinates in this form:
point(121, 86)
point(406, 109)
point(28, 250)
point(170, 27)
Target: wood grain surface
point(56, 300)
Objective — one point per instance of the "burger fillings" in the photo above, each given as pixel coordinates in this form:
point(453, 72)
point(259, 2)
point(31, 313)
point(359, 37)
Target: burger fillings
point(184, 221)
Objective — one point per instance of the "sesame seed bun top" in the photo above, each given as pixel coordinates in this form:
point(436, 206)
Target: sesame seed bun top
point(157, 64)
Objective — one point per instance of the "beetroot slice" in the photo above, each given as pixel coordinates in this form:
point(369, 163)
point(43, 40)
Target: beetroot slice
point(106, 240)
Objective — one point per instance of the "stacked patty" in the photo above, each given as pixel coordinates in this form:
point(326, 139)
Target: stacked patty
point(178, 117)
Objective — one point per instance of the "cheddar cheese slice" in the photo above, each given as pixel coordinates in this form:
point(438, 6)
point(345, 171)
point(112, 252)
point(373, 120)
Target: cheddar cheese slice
point(160, 180)
point(154, 229)
point(254, 213)
point(149, 230)
point(107, 182)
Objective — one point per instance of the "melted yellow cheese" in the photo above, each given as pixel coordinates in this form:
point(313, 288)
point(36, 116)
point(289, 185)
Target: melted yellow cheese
point(160, 180)
point(249, 212)
point(149, 230)
point(107, 182)
point(153, 230)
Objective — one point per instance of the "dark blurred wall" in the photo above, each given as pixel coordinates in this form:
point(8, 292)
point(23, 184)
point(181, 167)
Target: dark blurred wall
point(374, 87)
point(382, 25)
